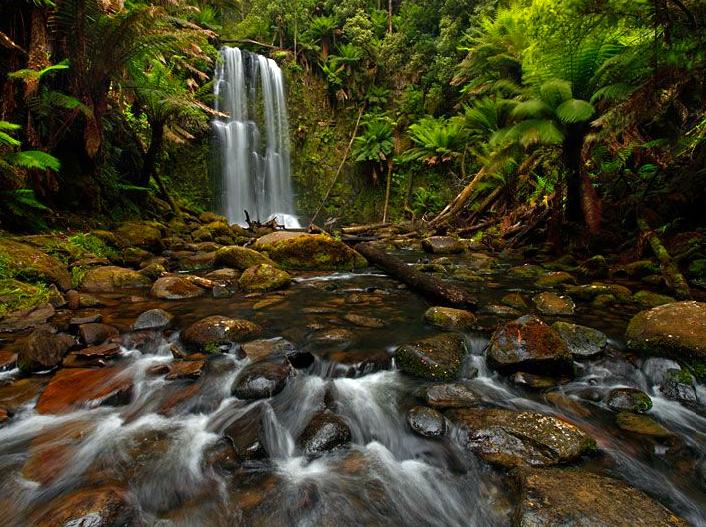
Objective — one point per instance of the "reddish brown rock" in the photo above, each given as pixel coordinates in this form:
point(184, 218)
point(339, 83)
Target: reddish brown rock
point(41, 350)
point(185, 369)
point(96, 333)
point(72, 389)
point(98, 507)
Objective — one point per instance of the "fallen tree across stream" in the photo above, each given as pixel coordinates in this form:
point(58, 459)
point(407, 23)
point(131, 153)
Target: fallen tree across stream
point(432, 288)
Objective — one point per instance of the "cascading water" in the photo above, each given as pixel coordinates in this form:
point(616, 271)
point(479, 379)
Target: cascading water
point(254, 172)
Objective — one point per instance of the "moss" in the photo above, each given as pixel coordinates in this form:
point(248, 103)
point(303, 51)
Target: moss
point(699, 369)
point(77, 275)
point(16, 295)
point(680, 376)
point(92, 244)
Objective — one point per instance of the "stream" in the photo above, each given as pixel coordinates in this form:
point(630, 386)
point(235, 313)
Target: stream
point(164, 448)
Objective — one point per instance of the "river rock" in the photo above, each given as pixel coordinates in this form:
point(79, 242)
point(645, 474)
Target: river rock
point(247, 433)
point(363, 321)
point(526, 272)
point(8, 359)
point(648, 299)
point(325, 432)
point(678, 385)
point(153, 319)
point(532, 381)
point(153, 271)
point(426, 422)
point(591, 291)
point(263, 277)
point(434, 358)
point(188, 369)
point(76, 388)
point(570, 498)
point(629, 399)
point(209, 333)
point(41, 350)
point(510, 438)
point(32, 263)
point(302, 251)
point(449, 318)
point(442, 245)
point(677, 329)
point(528, 344)
point(240, 258)
point(109, 278)
point(226, 275)
point(145, 235)
point(451, 395)
point(552, 304)
point(642, 425)
point(175, 288)
point(583, 342)
point(514, 300)
point(554, 279)
point(260, 380)
point(96, 333)
point(26, 318)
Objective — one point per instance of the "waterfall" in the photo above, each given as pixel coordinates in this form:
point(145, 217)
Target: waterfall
point(254, 172)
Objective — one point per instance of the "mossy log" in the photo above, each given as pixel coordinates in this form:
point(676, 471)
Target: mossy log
point(670, 271)
point(434, 289)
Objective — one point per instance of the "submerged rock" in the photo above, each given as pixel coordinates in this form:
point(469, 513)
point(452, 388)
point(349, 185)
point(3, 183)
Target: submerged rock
point(41, 350)
point(363, 321)
point(453, 395)
point(677, 329)
point(175, 288)
point(552, 304)
point(426, 422)
point(264, 277)
point(153, 319)
point(442, 245)
point(641, 424)
point(325, 432)
point(532, 381)
point(260, 380)
point(570, 498)
point(528, 344)
point(302, 251)
point(110, 278)
point(630, 399)
point(433, 358)
point(449, 318)
point(209, 333)
point(512, 439)
point(583, 342)
point(240, 258)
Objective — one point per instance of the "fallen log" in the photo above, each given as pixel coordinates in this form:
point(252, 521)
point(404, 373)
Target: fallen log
point(432, 288)
point(670, 271)
point(357, 229)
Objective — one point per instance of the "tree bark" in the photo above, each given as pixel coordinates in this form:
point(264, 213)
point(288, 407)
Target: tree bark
point(670, 271)
point(387, 190)
point(572, 162)
point(433, 289)
point(459, 201)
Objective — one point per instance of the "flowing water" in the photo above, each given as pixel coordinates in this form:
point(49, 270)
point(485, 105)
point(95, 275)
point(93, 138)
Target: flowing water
point(254, 172)
point(166, 446)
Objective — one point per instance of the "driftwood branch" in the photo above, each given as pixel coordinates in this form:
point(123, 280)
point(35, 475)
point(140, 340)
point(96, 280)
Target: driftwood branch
point(670, 271)
point(432, 288)
point(459, 201)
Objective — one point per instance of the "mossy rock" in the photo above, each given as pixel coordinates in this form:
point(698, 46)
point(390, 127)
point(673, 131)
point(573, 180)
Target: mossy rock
point(641, 424)
point(551, 304)
point(175, 287)
point(240, 258)
point(208, 334)
point(697, 269)
point(263, 277)
point(449, 318)
point(111, 278)
point(19, 260)
point(591, 291)
point(629, 399)
point(526, 272)
point(16, 295)
point(146, 235)
point(555, 278)
point(583, 342)
point(650, 299)
point(315, 252)
point(434, 358)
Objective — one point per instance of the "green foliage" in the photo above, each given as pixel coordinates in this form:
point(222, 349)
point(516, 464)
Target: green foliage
point(426, 202)
point(91, 244)
point(375, 143)
point(437, 140)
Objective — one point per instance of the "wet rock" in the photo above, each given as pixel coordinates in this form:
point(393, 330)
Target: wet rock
point(240, 257)
point(19, 392)
point(86, 319)
point(363, 321)
point(92, 356)
point(220, 291)
point(514, 439)
point(190, 369)
point(260, 380)
point(8, 359)
point(430, 268)
point(433, 358)
point(552, 304)
point(647, 299)
point(139, 234)
point(133, 256)
point(452, 395)
point(583, 342)
point(153, 271)
point(268, 349)
point(338, 336)
point(41, 350)
point(73, 389)
point(247, 434)
point(355, 363)
point(153, 319)
point(4, 416)
point(96, 333)
point(209, 333)
point(554, 279)
point(225, 275)
point(595, 267)
point(514, 300)
point(110, 278)
point(175, 288)
point(302, 251)
point(526, 272)
point(34, 264)
point(531, 381)
point(426, 422)
point(677, 329)
point(591, 291)
point(678, 385)
point(642, 425)
point(262, 278)
point(442, 245)
point(449, 318)
point(88, 301)
point(567, 403)
point(500, 311)
point(528, 344)
point(629, 399)
point(325, 432)
point(570, 497)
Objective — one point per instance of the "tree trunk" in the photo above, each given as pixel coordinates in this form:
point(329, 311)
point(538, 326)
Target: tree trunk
point(459, 201)
point(154, 153)
point(670, 271)
point(434, 289)
point(387, 190)
point(572, 162)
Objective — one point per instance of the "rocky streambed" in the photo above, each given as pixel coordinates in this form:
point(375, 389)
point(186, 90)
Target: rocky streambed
point(183, 378)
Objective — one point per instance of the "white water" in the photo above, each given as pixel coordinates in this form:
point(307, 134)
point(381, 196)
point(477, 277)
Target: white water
point(253, 141)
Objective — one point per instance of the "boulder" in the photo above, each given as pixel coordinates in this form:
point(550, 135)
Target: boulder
point(76, 388)
point(642, 425)
point(260, 380)
point(526, 272)
point(570, 497)
point(153, 319)
point(426, 422)
point(591, 291)
point(552, 304)
point(41, 350)
point(153, 270)
point(453, 395)
point(302, 251)
point(247, 433)
point(189, 369)
point(209, 333)
point(240, 258)
point(175, 288)
point(648, 299)
point(528, 344)
point(628, 399)
point(325, 432)
point(263, 277)
point(677, 329)
point(139, 234)
point(110, 278)
point(225, 275)
point(442, 245)
point(514, 439)
point(678, 385)
point(30, 263)
point(434, 358)
point(96, 333)
point(275, 349)
point(554, 279)
point(449, 318)
point(514, 300)
point(583, 342)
